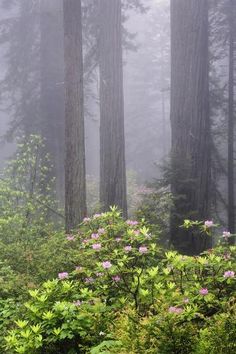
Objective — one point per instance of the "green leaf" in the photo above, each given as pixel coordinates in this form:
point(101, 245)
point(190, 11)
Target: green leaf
point(21, 324)
point(48, 315)
point(36, 328)
point(57, 331)
point(26, 333)
point(144, 292)
point(34, 293)
point(153, 272)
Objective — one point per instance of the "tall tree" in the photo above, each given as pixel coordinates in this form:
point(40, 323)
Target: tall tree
point(52, 90)
point(189, 121)
point(218, 79)
point(112, 142)
point(231, 117)
point(75, 194)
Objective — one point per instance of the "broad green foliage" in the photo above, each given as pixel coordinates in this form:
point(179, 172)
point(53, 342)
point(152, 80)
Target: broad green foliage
point(9, 310)
point(108, 287)
point(126, 295)
point(218, 336)
point(54, 321)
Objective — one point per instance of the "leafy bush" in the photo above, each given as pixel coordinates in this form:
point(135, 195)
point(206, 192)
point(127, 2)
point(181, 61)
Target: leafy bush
point(53, 320)
point(126, 294)
point(28, 211)
point(26, 193)
point(9, 310)
point(218, 336)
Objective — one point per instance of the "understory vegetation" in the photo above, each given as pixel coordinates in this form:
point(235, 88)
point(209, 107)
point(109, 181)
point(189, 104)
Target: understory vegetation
point(111, 286)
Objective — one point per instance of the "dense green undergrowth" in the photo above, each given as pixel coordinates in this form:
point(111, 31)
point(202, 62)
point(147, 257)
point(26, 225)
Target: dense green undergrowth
point(109, 287)
point(124, 294)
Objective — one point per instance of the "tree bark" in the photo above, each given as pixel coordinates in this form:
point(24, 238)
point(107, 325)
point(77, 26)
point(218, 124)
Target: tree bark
point(231, 118)
point(189, 121)
point(112, 141)
point(75, 193)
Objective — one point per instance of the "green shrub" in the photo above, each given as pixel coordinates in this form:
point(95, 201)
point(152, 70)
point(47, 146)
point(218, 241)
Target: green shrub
point(26, 194)
point(219, 334)
point(28, 212)
point(126, 295)
point(9, 310)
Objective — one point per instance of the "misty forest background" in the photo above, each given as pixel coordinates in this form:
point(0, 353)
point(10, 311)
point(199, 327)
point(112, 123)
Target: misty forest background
point(117, 117)
point(32, 91)
point(127, 84)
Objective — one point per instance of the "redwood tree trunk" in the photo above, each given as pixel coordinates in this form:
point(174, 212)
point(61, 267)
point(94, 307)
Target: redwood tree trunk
point(189, 121)
point(231, 118)
point(75, 194)
point(112, 142)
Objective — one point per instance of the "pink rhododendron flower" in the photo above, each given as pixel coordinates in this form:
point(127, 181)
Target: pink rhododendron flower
point(89, 280)
point(229, 274)
point(203, 291)
point(116, 278)
point(70, 238)
point(99, 274)
point(226, 234)
point(132, 222)
point(96, 216)
point(136, 232)
point(77, 303)
point(118, 239)
point(227, 256)
point(128, 248)
point(142, 249)
point(97, 246)
point(106, 264)
point(208, 223)
point(85, 241)
point(63, 275)
point(86, 220)
point(175, 309)
point(101, 231)
point(95, 236)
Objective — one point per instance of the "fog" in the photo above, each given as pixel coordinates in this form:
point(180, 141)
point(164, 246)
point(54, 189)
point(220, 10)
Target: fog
point(32, 91)
point(146, 82)
point(6, 148)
